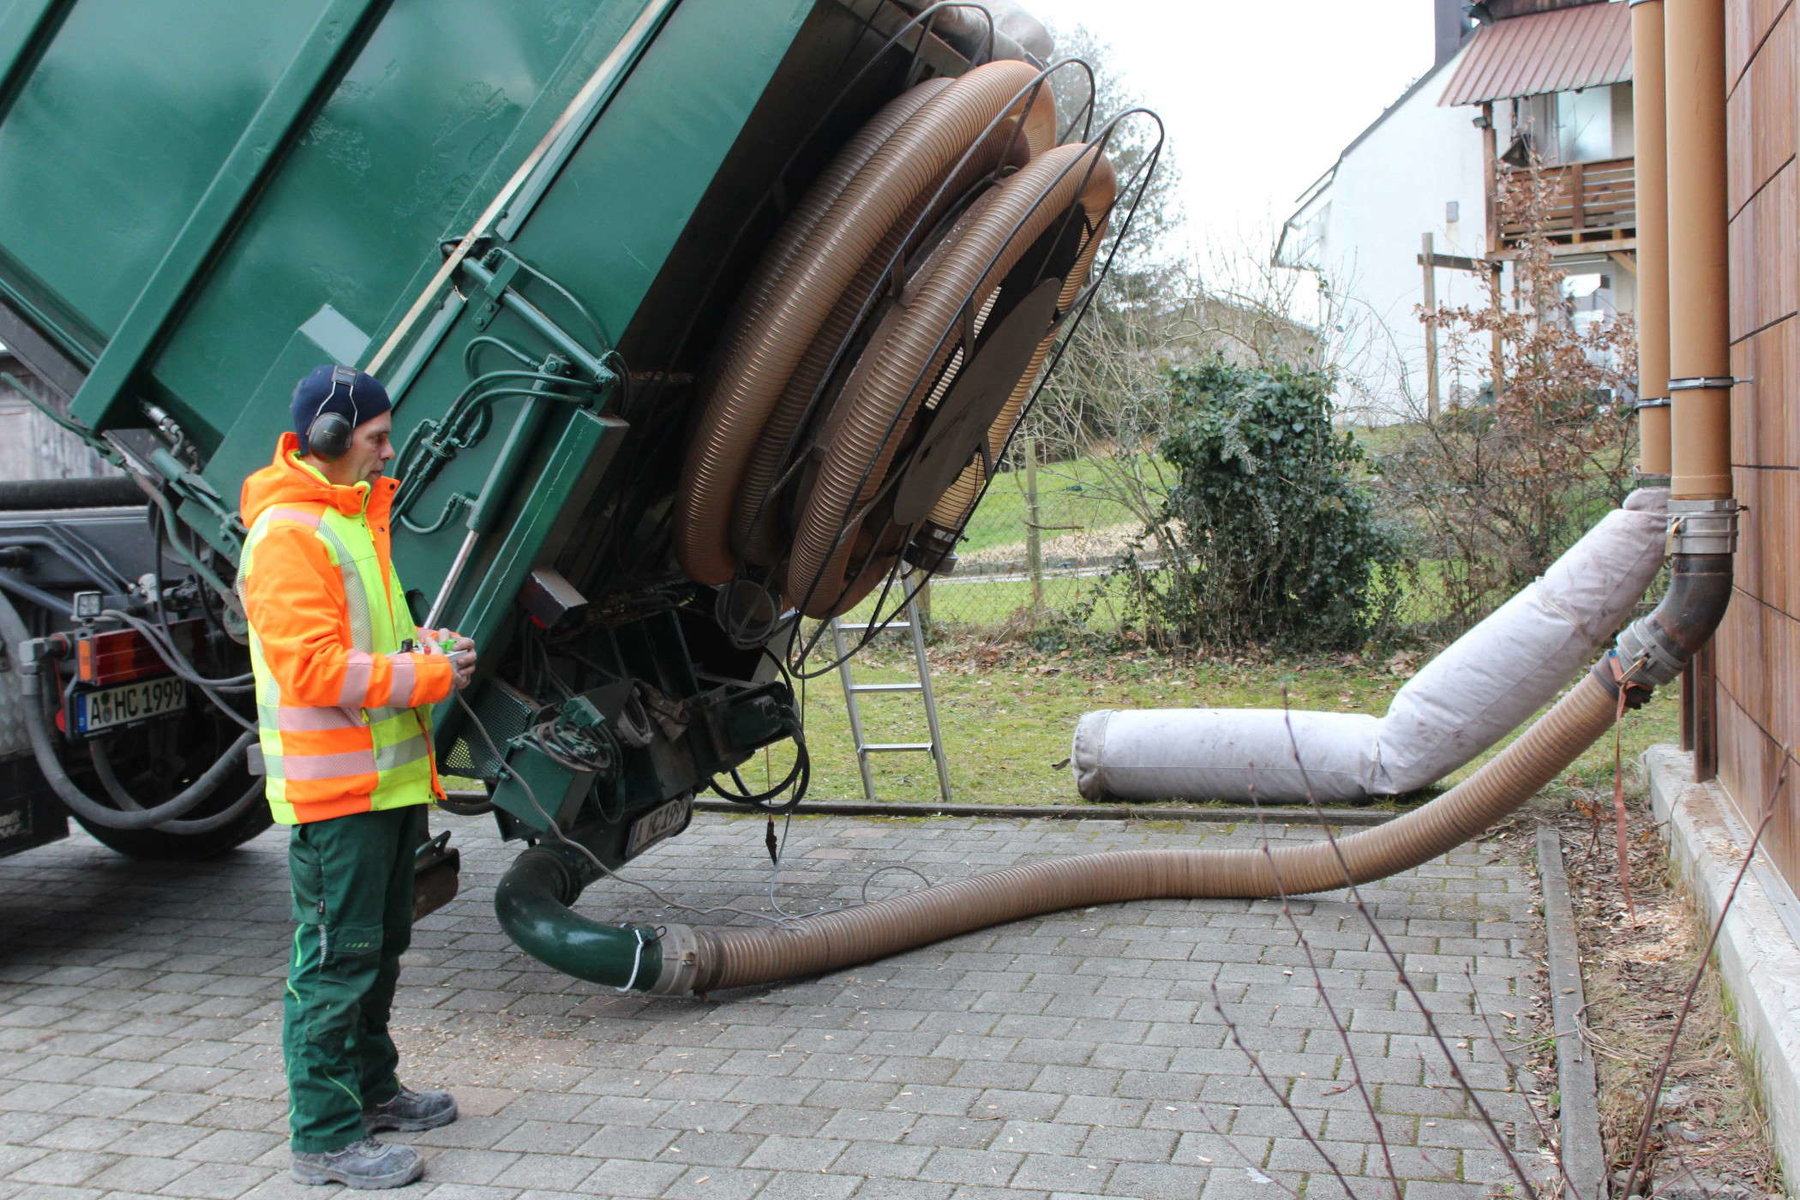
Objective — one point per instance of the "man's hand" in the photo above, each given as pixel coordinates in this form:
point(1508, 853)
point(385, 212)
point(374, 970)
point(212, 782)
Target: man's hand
point(462, 662)
point(460, 649)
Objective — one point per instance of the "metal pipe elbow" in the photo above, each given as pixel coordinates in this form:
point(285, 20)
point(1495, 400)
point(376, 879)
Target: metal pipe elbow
point(532, 905)
point(1653, 649)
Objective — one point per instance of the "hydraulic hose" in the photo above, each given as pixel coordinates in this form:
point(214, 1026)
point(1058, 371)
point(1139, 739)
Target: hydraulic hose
point(115, 789)
point(37, 728)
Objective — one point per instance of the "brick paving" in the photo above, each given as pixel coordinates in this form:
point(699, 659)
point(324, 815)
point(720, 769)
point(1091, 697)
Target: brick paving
point(1074, 1055)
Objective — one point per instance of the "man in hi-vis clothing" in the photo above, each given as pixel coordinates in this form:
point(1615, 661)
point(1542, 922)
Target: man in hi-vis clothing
point(344, 687)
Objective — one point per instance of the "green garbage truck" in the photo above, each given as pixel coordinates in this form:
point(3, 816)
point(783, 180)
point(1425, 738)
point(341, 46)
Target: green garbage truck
point(703, 320)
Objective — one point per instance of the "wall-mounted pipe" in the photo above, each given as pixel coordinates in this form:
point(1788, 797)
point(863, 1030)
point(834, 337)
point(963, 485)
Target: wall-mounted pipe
point(1651, 142)
point(1699, 315)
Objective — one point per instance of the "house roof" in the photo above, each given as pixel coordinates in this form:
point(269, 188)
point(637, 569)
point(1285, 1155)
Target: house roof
point(1561, 51)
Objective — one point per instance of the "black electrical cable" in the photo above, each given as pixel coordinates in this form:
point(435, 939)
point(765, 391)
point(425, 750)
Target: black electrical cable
point(799, 778)
point(158, 531)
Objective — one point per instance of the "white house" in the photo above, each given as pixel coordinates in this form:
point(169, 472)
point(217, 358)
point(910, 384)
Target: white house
point(1543, 78)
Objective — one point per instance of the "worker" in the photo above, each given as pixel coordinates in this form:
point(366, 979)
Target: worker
point(345, 682)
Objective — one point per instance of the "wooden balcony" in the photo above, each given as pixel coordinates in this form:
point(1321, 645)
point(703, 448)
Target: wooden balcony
point(1593, 207)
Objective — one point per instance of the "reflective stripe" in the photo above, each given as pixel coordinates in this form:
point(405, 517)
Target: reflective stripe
point(411, 750)
point(312, 767)
point(404, 675)
point(358, 673)
point(297, 515)
point(304, 718)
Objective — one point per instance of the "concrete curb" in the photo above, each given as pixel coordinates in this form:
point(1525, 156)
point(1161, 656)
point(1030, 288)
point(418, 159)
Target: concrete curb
point(1583, 1153)
point(1757, 954)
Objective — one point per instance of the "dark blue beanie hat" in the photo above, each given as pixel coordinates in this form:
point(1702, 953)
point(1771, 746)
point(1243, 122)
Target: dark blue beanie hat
point(317, 394)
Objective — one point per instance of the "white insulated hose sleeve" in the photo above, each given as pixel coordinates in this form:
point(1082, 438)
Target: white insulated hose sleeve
point(1467, 698)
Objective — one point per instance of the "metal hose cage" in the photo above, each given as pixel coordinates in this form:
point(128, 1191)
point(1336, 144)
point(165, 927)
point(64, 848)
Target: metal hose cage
point(887, 606)
point(966, 316)
point(744, 606)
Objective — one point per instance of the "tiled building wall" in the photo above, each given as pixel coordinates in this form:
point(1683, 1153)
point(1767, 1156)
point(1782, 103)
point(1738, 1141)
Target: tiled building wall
point(1758, 648)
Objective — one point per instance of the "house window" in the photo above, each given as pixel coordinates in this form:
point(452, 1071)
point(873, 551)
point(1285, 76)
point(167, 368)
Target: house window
point(1585, 126)
point(1584, 131)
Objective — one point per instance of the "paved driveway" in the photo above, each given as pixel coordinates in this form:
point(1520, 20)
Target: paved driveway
point(1077, 1054)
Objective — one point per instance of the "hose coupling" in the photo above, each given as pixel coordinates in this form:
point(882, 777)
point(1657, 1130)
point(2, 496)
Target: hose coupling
point(30, 657)
point(1646, 657)
point(1703, 526)
point(680, 947)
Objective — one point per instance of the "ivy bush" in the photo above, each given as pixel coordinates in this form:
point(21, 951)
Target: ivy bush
point(1278, 544)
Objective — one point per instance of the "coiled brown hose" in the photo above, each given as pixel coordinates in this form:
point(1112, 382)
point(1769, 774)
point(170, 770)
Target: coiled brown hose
point(702, 960)
point(900, 367)
point(755, 529)
point(908, 164)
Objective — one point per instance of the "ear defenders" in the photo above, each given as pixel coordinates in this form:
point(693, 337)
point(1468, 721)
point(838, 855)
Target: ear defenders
point(328, 436)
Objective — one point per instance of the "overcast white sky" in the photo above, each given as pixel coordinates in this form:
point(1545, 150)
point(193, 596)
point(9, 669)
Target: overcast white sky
point(1258, 95)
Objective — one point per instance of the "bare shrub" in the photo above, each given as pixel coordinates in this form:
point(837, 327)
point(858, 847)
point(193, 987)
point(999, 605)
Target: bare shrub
point(1514, 471)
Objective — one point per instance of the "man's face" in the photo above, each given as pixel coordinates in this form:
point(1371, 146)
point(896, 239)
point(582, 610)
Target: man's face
point(370, 449)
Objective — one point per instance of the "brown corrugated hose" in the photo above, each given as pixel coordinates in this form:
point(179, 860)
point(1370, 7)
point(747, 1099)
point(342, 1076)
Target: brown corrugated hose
point(737, 957)
point(745, 328)
point(899, 368)
point(755, 529)
point(909, 163)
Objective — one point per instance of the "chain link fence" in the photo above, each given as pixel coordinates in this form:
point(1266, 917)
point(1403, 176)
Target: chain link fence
point(1045, 546)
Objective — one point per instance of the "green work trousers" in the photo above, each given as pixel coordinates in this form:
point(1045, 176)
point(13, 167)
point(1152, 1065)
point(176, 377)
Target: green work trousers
point(353, 894)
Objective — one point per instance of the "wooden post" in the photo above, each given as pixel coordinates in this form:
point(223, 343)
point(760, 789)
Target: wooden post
point(1497, 344)
point(1034, 549)
point(1490, 167)
point(1428, 264)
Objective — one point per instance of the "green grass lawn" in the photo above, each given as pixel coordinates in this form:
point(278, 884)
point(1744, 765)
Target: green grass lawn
point(1069, 493)
point(1007, 719)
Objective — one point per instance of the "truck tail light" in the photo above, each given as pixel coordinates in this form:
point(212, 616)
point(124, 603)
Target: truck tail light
point(122, 655)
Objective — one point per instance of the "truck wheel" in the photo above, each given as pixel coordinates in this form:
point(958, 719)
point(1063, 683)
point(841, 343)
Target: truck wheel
point(154, 766)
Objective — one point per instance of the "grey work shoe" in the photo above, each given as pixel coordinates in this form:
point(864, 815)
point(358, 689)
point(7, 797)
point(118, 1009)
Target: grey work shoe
point(365, 1164)
point(410, 1111)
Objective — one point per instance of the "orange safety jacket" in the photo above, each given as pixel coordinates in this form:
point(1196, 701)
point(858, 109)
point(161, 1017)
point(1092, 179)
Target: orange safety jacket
point(344, 713)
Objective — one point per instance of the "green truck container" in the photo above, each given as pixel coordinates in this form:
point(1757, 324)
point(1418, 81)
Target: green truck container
point(548, 226)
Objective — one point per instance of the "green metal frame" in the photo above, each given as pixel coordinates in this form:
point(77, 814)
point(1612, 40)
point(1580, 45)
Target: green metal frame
point(25, 30)
point(309, 78)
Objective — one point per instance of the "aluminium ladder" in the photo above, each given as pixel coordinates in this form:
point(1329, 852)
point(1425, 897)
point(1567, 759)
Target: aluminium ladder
point(853, 689)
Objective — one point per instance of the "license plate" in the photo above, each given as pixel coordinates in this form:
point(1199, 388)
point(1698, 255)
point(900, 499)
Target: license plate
point(127, 704)
point(664, 821)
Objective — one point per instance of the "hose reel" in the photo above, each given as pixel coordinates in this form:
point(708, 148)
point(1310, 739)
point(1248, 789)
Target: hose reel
point(883, 352)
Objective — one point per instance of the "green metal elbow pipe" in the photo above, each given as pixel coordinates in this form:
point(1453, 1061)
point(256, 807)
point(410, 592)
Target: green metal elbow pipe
point(532, 903)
